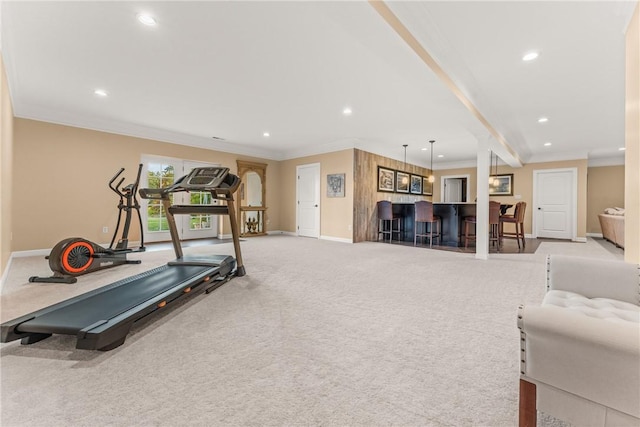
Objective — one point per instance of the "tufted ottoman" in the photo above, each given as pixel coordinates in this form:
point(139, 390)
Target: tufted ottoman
point(607, 309)
point(580, 348)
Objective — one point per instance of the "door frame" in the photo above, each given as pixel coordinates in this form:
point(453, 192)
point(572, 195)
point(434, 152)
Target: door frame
point(316, 167)
point(445, 177)
point(573, 200)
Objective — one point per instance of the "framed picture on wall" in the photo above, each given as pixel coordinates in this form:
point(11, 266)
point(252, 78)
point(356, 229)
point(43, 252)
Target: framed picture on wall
point(504, 186)
point(402, 182)
point(335, 185)
point(416, 184)
point(427, 187)
point(386, 179)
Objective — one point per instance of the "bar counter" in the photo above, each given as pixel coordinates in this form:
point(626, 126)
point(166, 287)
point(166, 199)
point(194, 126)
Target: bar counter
point(452, 215)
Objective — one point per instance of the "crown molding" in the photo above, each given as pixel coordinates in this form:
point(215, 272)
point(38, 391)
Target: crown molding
point(606, 161)
point(145, 132)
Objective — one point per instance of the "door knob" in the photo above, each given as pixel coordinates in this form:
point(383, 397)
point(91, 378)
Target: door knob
point(315, 206)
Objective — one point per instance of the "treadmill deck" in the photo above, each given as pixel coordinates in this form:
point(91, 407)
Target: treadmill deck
point(103, 316)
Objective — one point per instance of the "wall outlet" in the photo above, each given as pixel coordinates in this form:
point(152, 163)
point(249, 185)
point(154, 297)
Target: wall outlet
point(349, 227)
point(105, 229)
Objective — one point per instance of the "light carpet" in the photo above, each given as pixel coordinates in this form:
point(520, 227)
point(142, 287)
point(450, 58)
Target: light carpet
point(318, 333)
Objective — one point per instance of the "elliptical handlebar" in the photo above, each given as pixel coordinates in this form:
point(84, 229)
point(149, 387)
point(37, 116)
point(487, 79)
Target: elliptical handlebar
point(115, 187)
point(133, 188)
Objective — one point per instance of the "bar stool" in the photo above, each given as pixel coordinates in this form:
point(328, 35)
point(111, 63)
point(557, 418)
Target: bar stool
point(494, 226)
point(468, 221)
point(386, 220)
point(424, 215)
point(516, 219)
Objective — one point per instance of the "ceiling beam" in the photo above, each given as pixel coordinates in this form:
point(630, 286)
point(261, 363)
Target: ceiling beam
point(507, 153)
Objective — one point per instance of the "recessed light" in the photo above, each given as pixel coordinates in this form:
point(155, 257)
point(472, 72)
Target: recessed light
point(266, 134)
point(543, 120)
point(546, 144)
point(622, 148)
point(100, 92)
point(146, 19)
point(347, 111)
point(530, 56)
point(424, 149)
point(440, 155)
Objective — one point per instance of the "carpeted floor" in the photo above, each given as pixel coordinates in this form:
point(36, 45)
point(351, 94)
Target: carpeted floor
point(317, 333)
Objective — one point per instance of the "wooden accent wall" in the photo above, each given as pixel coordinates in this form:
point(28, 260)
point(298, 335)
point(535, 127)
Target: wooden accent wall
point(366, 194)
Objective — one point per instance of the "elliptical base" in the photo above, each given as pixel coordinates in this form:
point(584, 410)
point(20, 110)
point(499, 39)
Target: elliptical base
point(53, 279)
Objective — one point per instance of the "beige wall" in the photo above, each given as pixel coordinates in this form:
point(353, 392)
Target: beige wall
point(632, 141)
point(60, 181)
point(336, 213)
point(523, 187)
point(605, 189)
point(6, 168)
point(73, 165)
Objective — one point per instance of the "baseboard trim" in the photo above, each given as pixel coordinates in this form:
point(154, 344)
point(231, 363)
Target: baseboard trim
point(577, 239)
point(34, 252)
point(597, 235)
point(336, 239)
point(5, 273)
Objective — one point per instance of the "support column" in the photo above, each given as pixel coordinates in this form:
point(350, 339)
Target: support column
point(482, 202)
point(632, 141)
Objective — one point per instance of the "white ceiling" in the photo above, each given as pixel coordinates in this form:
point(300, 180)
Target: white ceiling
point(234, 70)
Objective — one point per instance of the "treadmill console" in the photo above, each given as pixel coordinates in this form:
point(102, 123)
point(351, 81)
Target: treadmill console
point(204, 178)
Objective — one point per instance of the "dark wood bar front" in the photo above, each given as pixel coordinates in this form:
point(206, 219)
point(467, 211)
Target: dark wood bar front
point(452, 215)
point(407, 212)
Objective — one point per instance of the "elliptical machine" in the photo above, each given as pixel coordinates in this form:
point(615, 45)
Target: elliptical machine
point(75, 256)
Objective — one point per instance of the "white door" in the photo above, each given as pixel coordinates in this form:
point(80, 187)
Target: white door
point(160, 172)
point(452, 190)
point(308, 199)
point(554, 203)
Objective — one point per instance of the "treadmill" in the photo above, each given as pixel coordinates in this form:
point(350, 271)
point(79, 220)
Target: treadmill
point(102, 318)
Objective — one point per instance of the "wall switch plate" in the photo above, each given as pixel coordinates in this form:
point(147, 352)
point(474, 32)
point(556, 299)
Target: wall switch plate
point(105, 229)
point(518, 196)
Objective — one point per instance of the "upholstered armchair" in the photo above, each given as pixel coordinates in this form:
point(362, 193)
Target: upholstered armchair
point(580, 349)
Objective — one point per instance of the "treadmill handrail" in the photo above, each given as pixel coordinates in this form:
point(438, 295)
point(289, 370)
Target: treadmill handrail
point(227, 186)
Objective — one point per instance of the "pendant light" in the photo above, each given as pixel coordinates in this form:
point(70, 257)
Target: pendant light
point(432, 178)
point(405, 179)
point(493, 178)
point(490, 166)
